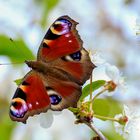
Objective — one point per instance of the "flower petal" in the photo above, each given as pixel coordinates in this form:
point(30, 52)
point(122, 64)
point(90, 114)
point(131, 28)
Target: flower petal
point(97, 59)
point(113, 73)
point(57, 112)
point(46, 119)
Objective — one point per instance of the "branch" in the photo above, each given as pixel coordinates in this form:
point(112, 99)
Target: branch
point(99, 133)
point(102, 91)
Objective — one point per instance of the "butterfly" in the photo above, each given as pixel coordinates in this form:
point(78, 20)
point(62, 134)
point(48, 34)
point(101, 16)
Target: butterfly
point(56, 77)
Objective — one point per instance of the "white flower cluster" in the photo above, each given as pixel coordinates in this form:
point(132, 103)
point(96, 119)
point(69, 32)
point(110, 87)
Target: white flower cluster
point(130, 124)
point(108, 72)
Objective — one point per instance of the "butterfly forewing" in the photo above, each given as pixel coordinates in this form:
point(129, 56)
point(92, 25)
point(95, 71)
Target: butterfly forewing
point(60, 40)
point(63, 45)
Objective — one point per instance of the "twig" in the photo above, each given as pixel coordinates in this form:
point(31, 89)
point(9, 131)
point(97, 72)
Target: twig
point(99, 133)
point(106, 118)
point(91, 110)
point(98, 94)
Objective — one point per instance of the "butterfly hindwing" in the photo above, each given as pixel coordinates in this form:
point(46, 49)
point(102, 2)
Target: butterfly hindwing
point(30, 98)
point(62, 93)
point(38, 93)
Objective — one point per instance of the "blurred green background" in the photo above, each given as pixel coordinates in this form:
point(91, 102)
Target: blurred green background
point(108, 27)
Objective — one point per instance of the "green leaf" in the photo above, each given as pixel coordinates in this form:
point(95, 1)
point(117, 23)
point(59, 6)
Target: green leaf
point(107, 107)
point(6, 128)
point(101, 107)
point(6, 125)
point(18, 81)
point(95, 85)
point(51, 4)
point(16, 51)
point(116, 107)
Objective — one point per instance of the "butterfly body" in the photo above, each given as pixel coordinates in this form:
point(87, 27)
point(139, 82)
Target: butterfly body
point(55, 81)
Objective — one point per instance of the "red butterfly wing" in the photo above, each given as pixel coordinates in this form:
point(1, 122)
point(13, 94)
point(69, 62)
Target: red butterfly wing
point(62, 93)
point(78, 65)
point(63, 45)
point(60, 40)
point(37, 93)
point(30, 98)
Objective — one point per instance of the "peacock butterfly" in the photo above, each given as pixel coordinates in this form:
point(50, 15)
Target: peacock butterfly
point(55, 81)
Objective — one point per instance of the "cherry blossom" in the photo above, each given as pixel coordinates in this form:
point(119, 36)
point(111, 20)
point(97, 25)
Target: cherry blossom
point(127, 121)
point(116, 81)
point(96, 58)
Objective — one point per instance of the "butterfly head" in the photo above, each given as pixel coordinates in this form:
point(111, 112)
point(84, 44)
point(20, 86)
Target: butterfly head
point(61, 26)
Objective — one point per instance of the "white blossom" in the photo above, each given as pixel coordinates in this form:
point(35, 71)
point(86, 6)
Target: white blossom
point(96, 58)
point(115, 76)
point(133, 117)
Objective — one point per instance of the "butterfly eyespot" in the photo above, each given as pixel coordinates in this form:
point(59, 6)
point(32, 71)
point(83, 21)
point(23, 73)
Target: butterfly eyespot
point(18, 108)
point(76, 56)
point(61, 26)
point(55, 99)
point(72, 57)
point(58, 27)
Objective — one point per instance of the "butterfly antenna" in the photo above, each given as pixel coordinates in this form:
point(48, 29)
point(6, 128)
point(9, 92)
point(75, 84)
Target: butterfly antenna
point(11, 63)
